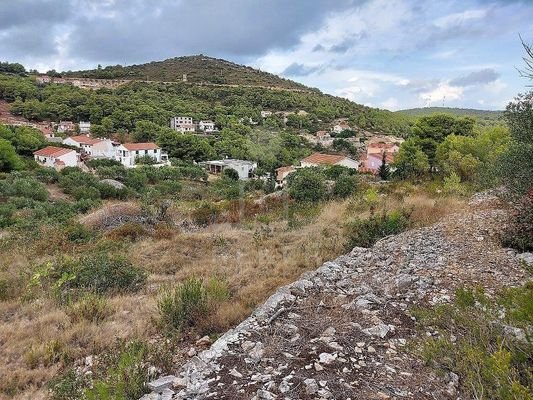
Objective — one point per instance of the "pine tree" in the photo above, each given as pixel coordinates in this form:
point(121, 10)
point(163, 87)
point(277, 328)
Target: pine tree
point(384, 169)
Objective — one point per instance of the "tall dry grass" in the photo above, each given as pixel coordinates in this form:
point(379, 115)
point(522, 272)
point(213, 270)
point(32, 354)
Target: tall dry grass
point(255, 257)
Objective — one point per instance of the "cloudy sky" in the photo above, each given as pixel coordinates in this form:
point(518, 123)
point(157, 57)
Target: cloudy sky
point(390, 54)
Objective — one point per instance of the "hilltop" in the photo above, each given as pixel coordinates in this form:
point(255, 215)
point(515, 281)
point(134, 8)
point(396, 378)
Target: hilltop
point(488, 115)
point(198, 69)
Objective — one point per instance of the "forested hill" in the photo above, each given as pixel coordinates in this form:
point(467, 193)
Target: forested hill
point(460, 112)
point(198, 69)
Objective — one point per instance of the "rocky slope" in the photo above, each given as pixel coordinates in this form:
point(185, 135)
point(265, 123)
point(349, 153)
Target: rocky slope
point(344, 330)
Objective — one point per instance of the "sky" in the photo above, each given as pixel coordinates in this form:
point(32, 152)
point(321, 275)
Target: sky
point(391, 54)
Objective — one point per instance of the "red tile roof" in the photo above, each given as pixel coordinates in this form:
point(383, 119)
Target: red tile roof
point(52, 151)
point(84, 139)
point(319, 158)
point(140, 146)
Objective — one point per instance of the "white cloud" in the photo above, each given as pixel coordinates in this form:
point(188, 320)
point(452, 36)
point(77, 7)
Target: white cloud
point(443, 92)
point(391, 104)
point(455, 19)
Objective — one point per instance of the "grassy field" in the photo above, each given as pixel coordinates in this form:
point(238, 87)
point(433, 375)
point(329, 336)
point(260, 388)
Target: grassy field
point(252, 248)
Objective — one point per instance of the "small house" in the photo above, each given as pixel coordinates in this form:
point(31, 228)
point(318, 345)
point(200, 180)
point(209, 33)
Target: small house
point(206, 126)
point(320, 159)
point(182, 124)
point(129, 153)
point(245, 169)
point(66, 126)
point(282, 174)
point(56, 157)
point(85, 127)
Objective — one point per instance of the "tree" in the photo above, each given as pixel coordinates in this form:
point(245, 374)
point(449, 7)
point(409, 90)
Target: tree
point(146, 131)
point(185, 147)
point(384, 169)
point(9, 160)
point(410, 162)
point(516, 164)
point(307, 184)
point(345, 185)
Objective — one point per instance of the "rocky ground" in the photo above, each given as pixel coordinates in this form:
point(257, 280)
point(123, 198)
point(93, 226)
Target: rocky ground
point(344, 331)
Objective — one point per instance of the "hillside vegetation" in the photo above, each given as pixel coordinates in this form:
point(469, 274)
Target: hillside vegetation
point(486, 117)
point(199, 69)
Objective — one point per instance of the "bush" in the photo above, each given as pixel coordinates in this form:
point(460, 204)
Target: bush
point(206, 214)
point(68, 386)
point(79, 233)
point(190, 302)
point(102, 162)
point(26, 187)
point(90, 307)
point(97, 273)
point(307, 184)
point(519, 233)
point(130, 230)
point(345, 185)
point(488, 360)
point(123, 373)
point(366, 232)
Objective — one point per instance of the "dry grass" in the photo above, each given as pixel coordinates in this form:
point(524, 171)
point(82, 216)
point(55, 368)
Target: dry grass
point(254, 258)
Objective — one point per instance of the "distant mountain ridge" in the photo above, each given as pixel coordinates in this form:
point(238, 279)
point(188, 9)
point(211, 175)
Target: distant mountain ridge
point(193, 69)
point(482, 114)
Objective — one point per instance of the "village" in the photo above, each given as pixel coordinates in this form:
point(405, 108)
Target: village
point(71, 144)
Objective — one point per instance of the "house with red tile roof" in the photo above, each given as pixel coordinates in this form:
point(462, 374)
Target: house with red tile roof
point(282, 173)
point(372, 160)
point(56, 157)
point(128, 153)
point(320, 159)
point(97, 148)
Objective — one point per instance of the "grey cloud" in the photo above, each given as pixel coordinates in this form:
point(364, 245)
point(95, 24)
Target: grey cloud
point(481, 77)
point(235, 28)
point(16, 13)
point(296, 69)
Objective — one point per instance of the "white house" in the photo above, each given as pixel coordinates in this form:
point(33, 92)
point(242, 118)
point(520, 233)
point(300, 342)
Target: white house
point(83, 142)
point(182, 124)
point(85, 127)
point(128, 153)
point(340, 128)
point(97, 148)
point(244, 168)
point(206, 126)
point(319, 159)
point(66, 126)
point(266, 114)
point(56, 157)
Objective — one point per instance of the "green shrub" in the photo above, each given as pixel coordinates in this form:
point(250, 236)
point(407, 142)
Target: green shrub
point(98, 273)
point(79, 233)
point(46, 175)
point(26, 187)
point(206, 214)
point(490, 363)
point(519, 233)
point(189, 303)
point(307, 184)
point(68, 386)
point(453, 186)
point(366, 232)
point(90, 307)
point(103, 162)
point(345, 185)
point(123, 373)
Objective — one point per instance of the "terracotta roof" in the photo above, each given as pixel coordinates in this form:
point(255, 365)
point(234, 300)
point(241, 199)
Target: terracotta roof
point(52, 151)
point(84, 139)
point(140, 146)
point(319, 158)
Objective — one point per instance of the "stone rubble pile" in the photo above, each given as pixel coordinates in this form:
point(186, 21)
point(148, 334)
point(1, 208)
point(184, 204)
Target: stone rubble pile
point(343, 331)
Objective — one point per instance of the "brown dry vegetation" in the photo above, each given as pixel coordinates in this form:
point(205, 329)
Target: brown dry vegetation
point(37, 336)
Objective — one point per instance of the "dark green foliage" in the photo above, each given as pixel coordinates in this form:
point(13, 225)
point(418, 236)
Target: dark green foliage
point(490, 362)
point(366, 232)
point(307, 185)
point(9, 159)
point(188, 303)
point(102, 162)
point(516, 164)
point(230, 174)
point(12, 68)
point(384, 169)
point(410, 162)
point(345, 185)
point(98, 273)
point(68, 386)
point(18, 185)
point(519, 232)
